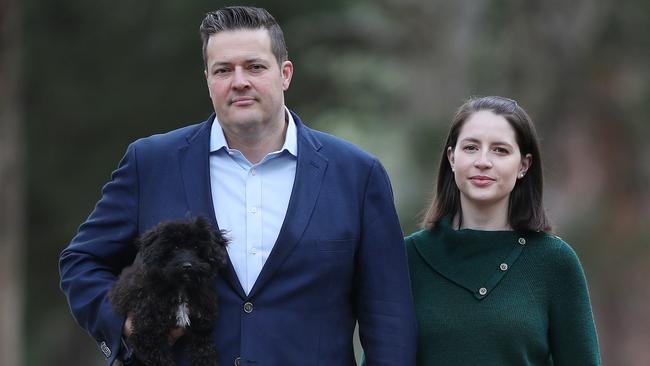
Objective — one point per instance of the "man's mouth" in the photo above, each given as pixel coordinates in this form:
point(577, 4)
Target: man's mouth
point(242, 101)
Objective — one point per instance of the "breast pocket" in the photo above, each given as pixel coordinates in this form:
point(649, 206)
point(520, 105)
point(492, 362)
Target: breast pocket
point(335, 246)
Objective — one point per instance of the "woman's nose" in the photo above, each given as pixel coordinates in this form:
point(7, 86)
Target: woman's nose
point(483, 161)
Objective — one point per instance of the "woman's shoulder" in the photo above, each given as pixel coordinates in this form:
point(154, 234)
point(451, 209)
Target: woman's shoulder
point(416, 234)
point(549, 242)
point(554, 251)
point(421, 235)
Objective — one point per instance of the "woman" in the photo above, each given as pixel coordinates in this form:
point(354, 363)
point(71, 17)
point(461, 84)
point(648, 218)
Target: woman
point(491, 285)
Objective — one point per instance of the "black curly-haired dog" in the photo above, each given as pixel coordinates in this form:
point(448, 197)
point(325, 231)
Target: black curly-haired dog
point(171, 284)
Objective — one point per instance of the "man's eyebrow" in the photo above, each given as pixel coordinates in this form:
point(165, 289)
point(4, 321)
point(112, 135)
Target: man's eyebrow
point(246, 61)
point(255, 59)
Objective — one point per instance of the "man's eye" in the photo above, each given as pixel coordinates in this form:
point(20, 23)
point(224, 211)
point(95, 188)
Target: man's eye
point(256, 67)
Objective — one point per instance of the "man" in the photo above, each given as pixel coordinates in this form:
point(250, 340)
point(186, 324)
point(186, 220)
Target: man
point(315, 241)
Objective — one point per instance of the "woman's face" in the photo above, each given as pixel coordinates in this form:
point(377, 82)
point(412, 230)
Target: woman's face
point(486, 161)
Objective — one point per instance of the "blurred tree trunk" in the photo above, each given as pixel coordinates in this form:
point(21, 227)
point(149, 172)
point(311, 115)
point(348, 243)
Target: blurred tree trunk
point(11, 188)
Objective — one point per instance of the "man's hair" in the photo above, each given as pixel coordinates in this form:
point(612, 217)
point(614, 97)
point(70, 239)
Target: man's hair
point(526, 208)
point(243, 17)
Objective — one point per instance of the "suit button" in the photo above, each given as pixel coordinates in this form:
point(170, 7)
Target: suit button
point(237, 361)
point(105, 350)
point(248, 307)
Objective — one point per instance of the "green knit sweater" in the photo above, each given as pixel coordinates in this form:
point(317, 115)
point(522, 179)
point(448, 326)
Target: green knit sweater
point(499, 298)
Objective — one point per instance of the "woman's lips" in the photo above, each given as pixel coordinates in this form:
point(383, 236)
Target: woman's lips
point(481, 180)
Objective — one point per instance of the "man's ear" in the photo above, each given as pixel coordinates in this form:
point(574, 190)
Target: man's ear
point(287, 73)
point(205, 73)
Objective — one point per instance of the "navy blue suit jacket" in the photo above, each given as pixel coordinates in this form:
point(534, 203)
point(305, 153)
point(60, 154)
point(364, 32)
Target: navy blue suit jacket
point(339, 257)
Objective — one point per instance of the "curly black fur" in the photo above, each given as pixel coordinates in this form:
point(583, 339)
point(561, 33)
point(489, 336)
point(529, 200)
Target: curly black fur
point(177, 262)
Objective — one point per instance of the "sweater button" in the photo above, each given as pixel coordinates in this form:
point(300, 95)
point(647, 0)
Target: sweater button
point(522, 241)
point(482, 291)
point(503, 266)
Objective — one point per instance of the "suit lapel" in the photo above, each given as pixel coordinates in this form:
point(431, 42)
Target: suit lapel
point(310, 170)
point(195, 170)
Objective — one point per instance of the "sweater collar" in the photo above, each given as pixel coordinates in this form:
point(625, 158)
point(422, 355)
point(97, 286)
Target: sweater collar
point(474, 259)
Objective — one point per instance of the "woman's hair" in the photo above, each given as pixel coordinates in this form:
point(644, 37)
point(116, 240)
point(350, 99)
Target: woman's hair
point(525, 206)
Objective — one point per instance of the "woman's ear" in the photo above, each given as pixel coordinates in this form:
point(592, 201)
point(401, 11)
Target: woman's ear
point(526, 161)
point(450, 157)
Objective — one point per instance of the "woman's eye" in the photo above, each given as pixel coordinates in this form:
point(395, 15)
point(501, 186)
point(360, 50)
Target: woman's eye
point(470, 148)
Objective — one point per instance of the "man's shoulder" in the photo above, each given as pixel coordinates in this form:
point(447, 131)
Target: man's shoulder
point(337, 147)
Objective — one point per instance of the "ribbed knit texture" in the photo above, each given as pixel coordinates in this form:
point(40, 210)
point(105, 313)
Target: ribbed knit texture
point(534, 308)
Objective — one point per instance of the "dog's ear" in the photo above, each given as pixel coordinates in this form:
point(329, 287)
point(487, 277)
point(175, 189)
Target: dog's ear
point(150, 253)
point(147, 239)
point(218, 237)
point(218, 256)
point(202, 223)
point(215, 242)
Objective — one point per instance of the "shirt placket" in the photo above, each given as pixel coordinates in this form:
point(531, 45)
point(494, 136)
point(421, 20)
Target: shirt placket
point(254, 260)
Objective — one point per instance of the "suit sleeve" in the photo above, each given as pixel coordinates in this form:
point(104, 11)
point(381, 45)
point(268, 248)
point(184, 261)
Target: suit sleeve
point(102, 247)
point(384, 303)
point(572, 330)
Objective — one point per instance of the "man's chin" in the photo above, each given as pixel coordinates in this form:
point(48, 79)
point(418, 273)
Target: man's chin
point(243, 118)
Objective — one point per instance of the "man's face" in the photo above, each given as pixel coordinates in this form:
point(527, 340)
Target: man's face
point(246, 83)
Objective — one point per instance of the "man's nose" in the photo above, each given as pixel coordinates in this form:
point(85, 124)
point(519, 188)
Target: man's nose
point(240, 79)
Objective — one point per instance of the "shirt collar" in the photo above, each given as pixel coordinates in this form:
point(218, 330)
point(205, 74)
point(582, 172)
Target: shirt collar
point(218, 140)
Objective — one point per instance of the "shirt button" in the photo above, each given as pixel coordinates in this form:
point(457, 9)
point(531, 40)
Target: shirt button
point(253, 251)
point(482, 291)
point(522, 241)
point(254, 210)
point(237, 361)
point(503, 266)
point(253, 171)
point(248, 307)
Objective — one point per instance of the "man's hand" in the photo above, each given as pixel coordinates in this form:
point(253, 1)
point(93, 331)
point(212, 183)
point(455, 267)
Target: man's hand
point(174, 334)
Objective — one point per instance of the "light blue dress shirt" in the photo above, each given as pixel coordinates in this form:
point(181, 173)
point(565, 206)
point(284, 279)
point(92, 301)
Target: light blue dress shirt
point(251, 200)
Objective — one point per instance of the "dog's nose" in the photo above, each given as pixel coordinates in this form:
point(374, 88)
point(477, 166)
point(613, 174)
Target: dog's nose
point(186, 266)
